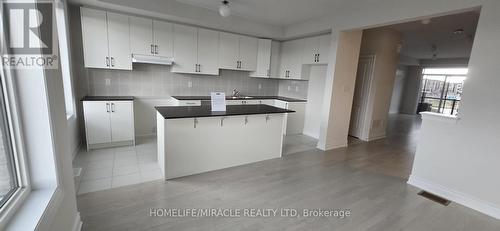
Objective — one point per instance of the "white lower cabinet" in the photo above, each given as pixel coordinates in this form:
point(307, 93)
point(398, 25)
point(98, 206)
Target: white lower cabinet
point(108, 121)
point(294, 121)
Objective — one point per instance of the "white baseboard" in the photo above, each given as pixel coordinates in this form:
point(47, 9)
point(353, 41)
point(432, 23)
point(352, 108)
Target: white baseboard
point(145, 135)
point(378, 137)
point(456, 196)
point(325, 147)
point(315, 136)
point(77, 226)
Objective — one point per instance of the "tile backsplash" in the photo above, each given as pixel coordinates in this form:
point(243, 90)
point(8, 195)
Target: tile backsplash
point(148, 80)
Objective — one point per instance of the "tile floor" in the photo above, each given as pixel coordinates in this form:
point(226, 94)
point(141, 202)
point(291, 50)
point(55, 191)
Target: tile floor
point(115, 167)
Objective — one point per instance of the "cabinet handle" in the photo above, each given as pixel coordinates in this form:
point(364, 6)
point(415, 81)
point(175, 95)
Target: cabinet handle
point(107, 107)
point(195, 122)
point(107, 61)
point(112, 107)
point(152, 49)
point(196, 68)
point(241, 64)
point(112, 61)
point(156, 49)
point(199, 67)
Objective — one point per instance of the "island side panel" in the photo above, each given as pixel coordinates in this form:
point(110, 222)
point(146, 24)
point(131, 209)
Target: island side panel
point(212, 146)
point(160, 139)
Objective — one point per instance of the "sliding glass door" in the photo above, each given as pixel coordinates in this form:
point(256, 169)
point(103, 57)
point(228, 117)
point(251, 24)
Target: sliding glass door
point(442, 89)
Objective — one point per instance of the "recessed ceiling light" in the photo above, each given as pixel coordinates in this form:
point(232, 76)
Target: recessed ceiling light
point(224, 9)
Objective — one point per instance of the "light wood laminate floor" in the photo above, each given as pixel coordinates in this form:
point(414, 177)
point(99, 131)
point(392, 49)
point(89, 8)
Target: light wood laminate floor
point(369, 179)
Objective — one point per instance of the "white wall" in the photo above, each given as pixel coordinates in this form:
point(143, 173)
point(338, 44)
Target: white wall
point(412, 91)
point(315, 94)
point(383, 44)
point(468, 171)
point(397, 90)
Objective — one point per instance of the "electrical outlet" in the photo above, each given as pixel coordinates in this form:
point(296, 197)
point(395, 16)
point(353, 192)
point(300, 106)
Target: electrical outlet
point(289, 87)
point(296, 88)
point(260, 86)
point(108, 81)
point(190, 84)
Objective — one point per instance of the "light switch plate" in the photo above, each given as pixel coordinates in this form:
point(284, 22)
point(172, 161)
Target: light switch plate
point(108, 81)
point(190, 84)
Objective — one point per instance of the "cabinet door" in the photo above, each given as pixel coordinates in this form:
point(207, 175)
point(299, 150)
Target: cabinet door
point(97, 124)
point(263, 69)
point(284, 57)
point(248, 53)
point(185, 49)
point(122, 120)
point(324, 48)
point(228, 51)
point(163, 38)
point(141, 36)
point(295, 59)
point(95, 38)
point(310, 50)
point(208, 48)
point(119, 41)
point(275, 59)
point(295, 121)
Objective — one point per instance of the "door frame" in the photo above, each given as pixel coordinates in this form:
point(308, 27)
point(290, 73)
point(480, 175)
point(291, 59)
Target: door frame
point(366, 103)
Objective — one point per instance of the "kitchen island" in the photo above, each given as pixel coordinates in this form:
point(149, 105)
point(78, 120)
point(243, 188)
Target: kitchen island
point(194, 139)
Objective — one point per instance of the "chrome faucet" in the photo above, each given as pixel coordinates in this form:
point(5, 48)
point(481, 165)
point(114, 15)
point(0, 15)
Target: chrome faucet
point(236, 93)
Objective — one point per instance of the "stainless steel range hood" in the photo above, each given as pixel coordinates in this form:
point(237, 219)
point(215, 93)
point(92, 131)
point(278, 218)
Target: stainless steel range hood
point(161, 60)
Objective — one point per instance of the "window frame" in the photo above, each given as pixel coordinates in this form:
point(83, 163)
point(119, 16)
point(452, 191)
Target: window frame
point(20, 165)
point(444, 91)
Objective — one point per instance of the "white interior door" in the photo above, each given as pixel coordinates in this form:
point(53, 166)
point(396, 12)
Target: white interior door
point(122, 120)
point(208, 48)
point(357, 126)
point(119, 41)
point(141, 36)
point(228, 51)
point(97, 124)
point(185, 49)
point(248, 53)
point(95, 38)
point(163, 38)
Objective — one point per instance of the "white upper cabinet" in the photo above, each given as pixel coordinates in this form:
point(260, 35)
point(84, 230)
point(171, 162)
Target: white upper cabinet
point(151, 37)
point(141, 36)
point(106, 40)
point(248, 53)
point(194, 50)
point(275, 59)
point(208, 48)
point(316, 49)
point(95, 38)
point(324, 48)
point(229, 51)
point(291, 59)
point(119, 42)
point(163, 37)
point(237, 52)
point(263, 69)
point(185, 49)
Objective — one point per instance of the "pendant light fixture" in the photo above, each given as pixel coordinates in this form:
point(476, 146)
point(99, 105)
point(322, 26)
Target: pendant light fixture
point(224, 9)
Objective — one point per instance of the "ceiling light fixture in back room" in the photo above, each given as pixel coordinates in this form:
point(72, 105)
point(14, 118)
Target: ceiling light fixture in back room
point(224, 9)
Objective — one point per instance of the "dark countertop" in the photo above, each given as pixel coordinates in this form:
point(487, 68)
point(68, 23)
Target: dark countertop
point(230, 98)
point(178, 112)
point(107, 98)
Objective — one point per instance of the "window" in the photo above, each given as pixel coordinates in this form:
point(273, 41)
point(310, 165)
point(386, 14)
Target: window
point(61, 20)
point(8, 172)
point(442, 90)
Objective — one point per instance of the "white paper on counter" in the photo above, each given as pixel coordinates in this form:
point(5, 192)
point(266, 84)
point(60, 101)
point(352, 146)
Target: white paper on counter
point(218, 100)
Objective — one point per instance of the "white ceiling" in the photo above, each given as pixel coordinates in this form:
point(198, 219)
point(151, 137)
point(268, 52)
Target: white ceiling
point(273, 12)
point(417, 38)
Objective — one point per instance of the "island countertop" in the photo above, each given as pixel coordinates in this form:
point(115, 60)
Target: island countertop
point(179, 112)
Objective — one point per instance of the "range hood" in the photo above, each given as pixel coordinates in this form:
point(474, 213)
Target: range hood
point(161, 60)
